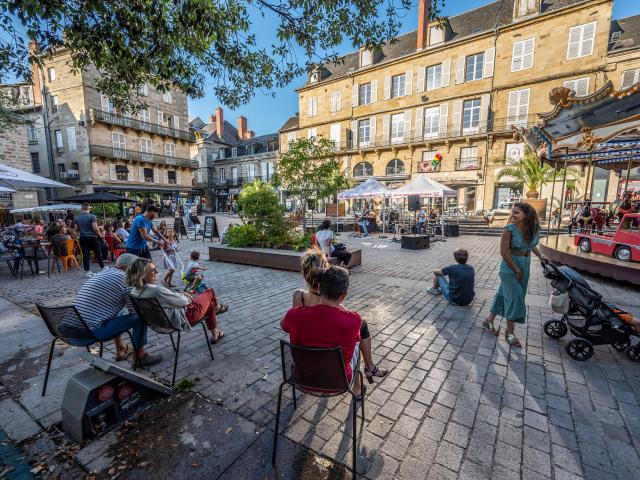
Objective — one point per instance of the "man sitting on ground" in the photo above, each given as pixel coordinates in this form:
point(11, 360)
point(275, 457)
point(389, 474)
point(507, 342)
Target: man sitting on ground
point(327, 324)
point(100, 302)
point(459, 288)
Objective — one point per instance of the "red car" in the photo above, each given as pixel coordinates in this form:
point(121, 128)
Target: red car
point(624, 244)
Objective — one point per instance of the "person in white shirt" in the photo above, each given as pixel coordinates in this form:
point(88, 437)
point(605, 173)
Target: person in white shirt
point(422, 218)
point(324, 239)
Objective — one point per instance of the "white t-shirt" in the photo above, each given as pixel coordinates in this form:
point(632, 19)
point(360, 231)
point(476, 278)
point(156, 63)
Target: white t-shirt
point(422, 215)
point(324, 237)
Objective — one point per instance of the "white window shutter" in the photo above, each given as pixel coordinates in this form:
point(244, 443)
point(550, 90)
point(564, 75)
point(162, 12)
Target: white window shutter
point(104, 102)
point(421, 75)
point(512, 109)
point(315, 106)
point(354, 95)
point(516, 56)
point(112, 171)
point(419, 122)
point(460, 69)
point(374, 91)
point(573, 47)
point(385, 128)
point(444, 118)
point(484, 111)
point(407, 125)
point(387, 88)
point(156, 176)
point(160, 117)
point(130, 174)
point(165, 177)
point(446, 72)
point(588, 37)
point(176, 122)
point(338, 101)
point(582, 87)
point(354, 133)
point(457, 117)
point(71, 139)
point(523, 107)
point(372, 130)
point(141, 174)
point(528, 53)
point(629, 78)
point(489, 60)
point(408, 82)
point(309, 107)
point(178, 177)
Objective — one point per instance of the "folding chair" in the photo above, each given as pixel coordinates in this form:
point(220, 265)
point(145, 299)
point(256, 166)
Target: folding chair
point(152, 313)
point(115, 252)
point(319, 372)
point(67, 260)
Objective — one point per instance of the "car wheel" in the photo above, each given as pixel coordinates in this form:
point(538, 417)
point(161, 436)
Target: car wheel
point(585, 245)
point(623, 254)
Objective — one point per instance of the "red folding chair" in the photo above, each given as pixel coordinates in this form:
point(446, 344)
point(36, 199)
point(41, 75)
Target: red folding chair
point(115, 252)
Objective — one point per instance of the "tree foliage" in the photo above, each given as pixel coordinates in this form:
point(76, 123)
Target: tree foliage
point(186, 44)
point(310, 171)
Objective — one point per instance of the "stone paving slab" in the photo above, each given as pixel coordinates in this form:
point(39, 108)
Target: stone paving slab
point(16, 422)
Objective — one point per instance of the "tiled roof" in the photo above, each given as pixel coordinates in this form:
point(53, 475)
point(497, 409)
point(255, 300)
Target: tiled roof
point(260, 145)
point(290, 124)
point(624, 34)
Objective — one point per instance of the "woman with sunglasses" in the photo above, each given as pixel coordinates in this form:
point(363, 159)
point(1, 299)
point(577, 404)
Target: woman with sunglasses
point(181, 309)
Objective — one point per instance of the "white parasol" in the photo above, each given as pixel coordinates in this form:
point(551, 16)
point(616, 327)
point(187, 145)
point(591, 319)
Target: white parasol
point(15, 178)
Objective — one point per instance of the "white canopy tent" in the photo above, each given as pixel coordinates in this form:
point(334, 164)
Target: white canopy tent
point(424, 187)
point(6, 190)
point(15, 178)
point(368, 189)
point(61, 207)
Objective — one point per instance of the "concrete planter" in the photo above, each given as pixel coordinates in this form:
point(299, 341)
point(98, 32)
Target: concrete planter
point(539, 205)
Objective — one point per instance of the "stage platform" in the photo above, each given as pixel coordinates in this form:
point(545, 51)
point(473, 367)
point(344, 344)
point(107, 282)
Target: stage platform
point(566, 253)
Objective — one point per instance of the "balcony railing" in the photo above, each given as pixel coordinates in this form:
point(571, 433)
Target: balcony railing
point(467, 163)
point(134, 123)
point(73, 176)
point(134, 155)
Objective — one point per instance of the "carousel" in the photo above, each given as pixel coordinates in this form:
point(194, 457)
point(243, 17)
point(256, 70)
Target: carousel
point(599, 130)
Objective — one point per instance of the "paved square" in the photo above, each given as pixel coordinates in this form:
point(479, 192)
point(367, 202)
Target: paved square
point(458, 402)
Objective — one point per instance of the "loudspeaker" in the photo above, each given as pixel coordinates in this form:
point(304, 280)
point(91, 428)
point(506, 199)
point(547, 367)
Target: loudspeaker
point(452, 230)
point(415, 242)
point(414, 203)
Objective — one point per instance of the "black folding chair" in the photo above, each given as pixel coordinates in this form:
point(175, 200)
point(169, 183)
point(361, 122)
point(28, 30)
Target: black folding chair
point(319, 372)
point(152, 313)
point(66, 324)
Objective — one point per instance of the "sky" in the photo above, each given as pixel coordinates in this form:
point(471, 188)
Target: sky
point(266, 113)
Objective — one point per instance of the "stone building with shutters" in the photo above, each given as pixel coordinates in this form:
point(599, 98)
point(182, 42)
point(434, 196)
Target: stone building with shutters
point(97, 147)
point(458, 87)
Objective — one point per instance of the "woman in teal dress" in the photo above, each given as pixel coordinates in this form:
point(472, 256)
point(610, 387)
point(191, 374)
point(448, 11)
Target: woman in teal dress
point(519, 239)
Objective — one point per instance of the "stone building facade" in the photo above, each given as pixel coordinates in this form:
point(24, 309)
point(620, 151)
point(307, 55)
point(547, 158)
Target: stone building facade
point(458, 88)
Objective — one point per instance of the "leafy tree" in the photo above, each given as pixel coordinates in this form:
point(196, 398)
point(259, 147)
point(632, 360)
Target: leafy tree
point(532, 174)
point(186, 44)
point(310, 171)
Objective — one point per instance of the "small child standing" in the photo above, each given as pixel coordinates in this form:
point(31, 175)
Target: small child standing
point(192, 274)
point(170, 248)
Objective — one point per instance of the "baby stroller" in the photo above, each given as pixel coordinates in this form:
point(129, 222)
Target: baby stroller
point(588, 317)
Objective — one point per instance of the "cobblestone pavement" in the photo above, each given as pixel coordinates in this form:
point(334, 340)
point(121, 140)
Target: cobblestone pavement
point(458, 402)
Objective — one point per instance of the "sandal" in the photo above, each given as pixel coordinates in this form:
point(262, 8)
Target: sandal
point(218, 338)
point(488, 326)
point(376, 372)
point(512, 340)
point(223, 308)
point(127, 353)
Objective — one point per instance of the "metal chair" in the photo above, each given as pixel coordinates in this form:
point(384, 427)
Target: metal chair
point(66, 324)
point(152, 313)
point(67, 260)
point(113, 251)
point(319, 372)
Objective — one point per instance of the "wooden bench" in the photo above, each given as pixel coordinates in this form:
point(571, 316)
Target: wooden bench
point(268, 257)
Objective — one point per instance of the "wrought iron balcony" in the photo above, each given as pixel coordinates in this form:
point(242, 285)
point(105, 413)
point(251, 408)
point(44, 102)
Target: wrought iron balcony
point(136, 156)
point(129, 122)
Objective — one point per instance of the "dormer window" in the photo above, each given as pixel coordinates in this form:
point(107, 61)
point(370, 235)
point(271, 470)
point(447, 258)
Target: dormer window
point(436, 35)
point(234, 152)
point(366, 57)
point(525, 8)
point(314, 76)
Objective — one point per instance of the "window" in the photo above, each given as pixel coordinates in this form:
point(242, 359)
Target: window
point(470, 115)
point(52, 74)
point(397, 128)
point(107, 104)
point(234, 174)
point(366, 58)
point(629, 78)
point(119, 141)
point(336, 100)
point(581, 40)
point(122, 173)
point(251, 171)
point(143, 90)
point(363, 169)
point(145, 115)
point(148, 175)
point(468, 158)
point(171, 177)
point(146, 146)
point(364, 132)
point(436, 35)
point(314, 76)
point(431, 122)
point(234, 151)
point(580, 86)
point(522, 56)
point(35, 162)
point(169, 149)
point(427, 164)
point(524, 8)
point(312, 106)
point(364, 94)
point(434, 77)
point(32, 132)
point(166, 97)
point(160, 118)
point(221, 173)
point(518, 107)
point(312, 133)
point(334, 134)
point(59, 141)
point(54, 104)
point(397, 86)
point(473, 67)
point(291, 137)
point(26, 95)
point(395, 167)
point(71, 139)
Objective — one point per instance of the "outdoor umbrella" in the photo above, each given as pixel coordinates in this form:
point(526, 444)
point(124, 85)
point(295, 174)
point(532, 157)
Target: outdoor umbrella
point(6, 190)
point(425, 187)
point(97, 197)
point(367, 189)
point(15, 178)
point(62, 207)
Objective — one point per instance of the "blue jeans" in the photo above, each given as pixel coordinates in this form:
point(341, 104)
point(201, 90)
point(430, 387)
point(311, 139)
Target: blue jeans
point(363, 225)
point(419, 227)
point(120, 324)
point(443, 283)
point(140, 252)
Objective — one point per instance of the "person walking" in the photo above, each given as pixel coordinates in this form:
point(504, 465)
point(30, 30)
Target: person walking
point(518, 240)
point(89, 238)
point(139, 234)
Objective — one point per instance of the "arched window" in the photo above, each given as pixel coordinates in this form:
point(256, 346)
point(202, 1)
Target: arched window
point(363, 169)
point(395, 167)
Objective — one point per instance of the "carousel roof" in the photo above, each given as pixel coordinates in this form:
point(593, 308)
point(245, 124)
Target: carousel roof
point(602, 128)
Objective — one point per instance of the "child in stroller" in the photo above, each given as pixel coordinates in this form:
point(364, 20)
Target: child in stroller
point(589, 318)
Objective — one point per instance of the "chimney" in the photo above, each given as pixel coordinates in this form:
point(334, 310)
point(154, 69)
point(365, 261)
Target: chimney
point(424, 10)
point(242, 127)
point(36, 79)
point(212, 119)
point(249, 134)
point(219, 122)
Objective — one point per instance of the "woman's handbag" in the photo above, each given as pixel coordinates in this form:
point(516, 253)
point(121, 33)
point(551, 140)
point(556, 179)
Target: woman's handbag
point(559, 302)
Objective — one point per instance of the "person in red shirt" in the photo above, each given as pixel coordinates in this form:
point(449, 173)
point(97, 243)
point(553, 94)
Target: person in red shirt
point(327, 324)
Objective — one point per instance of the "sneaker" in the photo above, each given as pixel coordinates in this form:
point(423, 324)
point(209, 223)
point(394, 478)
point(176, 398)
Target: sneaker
point(88, 274)
point(434, 291)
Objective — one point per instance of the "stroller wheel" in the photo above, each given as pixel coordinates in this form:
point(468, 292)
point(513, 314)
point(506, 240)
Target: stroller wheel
point(621, 345)
point(555, 328)
point(579, 349)
point(633, 353)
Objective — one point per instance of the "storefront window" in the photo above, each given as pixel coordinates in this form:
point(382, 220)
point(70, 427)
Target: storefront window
point(506, 195)
point(600, 184)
